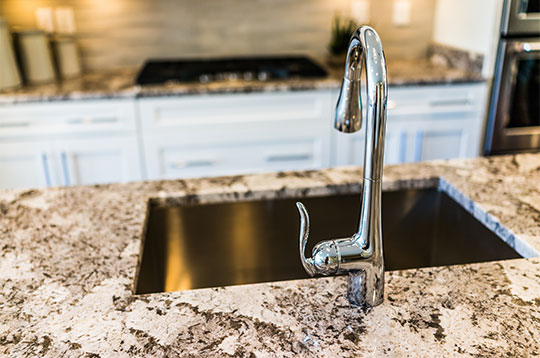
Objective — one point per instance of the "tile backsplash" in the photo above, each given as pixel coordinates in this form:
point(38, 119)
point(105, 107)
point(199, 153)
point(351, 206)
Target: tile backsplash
point(117, 33)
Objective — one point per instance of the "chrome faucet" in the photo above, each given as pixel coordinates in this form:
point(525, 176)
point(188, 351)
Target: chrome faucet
point(360, 255)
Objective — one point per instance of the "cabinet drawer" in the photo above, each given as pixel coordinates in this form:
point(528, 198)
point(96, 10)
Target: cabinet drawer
point(434, 101)
point(243, 109)
point(173, 160)
point(35, 119)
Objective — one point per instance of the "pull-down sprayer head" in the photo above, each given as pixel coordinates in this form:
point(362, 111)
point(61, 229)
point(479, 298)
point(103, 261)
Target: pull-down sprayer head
point(348, 118)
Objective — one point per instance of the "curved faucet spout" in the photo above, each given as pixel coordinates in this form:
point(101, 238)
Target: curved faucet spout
point(364, 48)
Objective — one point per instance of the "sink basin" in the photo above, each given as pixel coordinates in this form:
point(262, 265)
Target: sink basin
point(210, 245)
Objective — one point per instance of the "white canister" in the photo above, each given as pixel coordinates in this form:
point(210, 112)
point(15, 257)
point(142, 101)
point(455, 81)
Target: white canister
point(66, 56)
point(9, 72)
point(35, 56)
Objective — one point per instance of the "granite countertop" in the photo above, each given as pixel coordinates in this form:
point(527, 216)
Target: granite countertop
point(69, 257)
point(121, 83)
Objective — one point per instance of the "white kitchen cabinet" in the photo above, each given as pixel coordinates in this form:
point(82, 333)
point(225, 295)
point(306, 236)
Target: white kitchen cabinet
point(68, 143)
point(25, 164)
point(34, 164)
point(424, 123)
point(104, 141)
point(232, 134)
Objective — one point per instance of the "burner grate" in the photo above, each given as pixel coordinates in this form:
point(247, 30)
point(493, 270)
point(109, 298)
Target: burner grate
point(228, 69)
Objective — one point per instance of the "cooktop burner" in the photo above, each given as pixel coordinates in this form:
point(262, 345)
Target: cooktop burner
point(228, 69)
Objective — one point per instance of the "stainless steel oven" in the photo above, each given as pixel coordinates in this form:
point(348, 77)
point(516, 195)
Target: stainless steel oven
point(514, 111)
point(521, 17)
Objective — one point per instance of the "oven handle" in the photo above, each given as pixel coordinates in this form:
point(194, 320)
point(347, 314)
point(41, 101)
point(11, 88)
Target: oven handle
point(525, 47)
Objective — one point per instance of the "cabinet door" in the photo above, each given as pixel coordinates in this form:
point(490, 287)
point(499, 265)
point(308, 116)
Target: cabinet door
point(440, 143)
point(26, 165)
point(98, 160)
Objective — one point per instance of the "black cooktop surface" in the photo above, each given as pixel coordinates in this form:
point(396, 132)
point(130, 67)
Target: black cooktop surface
point(228, 69)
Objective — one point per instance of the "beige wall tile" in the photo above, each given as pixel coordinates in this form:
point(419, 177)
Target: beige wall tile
point(115, 33)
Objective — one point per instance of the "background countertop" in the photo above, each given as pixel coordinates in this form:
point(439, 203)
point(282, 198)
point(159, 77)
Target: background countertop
point(121, 83)
point(68, 261)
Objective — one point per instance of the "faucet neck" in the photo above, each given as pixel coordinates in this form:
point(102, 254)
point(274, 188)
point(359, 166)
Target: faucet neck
point(366, 48)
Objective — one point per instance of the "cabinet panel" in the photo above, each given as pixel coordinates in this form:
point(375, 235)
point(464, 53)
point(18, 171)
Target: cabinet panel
point(26, 165)
point(233, 109)
point(56, 118)
point(420, 101)
point(99, 160)
point(170, 158)
point(440, 144)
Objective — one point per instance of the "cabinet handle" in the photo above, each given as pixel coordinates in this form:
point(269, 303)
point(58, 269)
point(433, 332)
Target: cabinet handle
point(104, 120)
point(526, 46)
point(403, 147)
point(418, 146)
point(76, 121)
point(181, 164)
point(450, 102)
point(65, 169)
point(14, 124)
point(44, 162)
point(288, 157)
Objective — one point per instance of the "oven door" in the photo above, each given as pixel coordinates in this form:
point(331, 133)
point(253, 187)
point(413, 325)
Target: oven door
point(522, 17)
point(514, 116)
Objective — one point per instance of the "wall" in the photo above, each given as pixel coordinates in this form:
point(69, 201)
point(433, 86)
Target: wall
point(409, 41)
point(115, 33)
point(471, 25)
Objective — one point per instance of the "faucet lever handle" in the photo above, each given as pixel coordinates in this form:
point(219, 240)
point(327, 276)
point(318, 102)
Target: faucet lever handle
point(304, 234)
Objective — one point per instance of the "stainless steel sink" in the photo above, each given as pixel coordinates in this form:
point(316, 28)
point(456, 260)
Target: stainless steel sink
point(196, 246)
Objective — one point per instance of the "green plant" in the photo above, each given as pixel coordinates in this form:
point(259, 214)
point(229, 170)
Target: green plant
point(342, 29)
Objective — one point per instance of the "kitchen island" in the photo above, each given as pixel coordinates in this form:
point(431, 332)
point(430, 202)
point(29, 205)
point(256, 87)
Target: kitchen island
point(69, 259)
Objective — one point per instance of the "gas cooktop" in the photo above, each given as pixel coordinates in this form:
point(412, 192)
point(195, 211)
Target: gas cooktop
point(228, 69)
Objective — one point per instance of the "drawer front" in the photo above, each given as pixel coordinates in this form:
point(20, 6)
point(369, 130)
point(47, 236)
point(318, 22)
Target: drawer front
point(171, 159)
point(432, 102)
point(35, 119)
point(244, 109)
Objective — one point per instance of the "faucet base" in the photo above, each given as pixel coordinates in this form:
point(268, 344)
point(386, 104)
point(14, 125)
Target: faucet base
point(356, 288)
point(358, 292)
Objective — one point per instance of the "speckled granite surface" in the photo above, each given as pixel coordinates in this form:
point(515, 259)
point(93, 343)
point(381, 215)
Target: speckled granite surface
point(121, 84)
point(69, 255)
